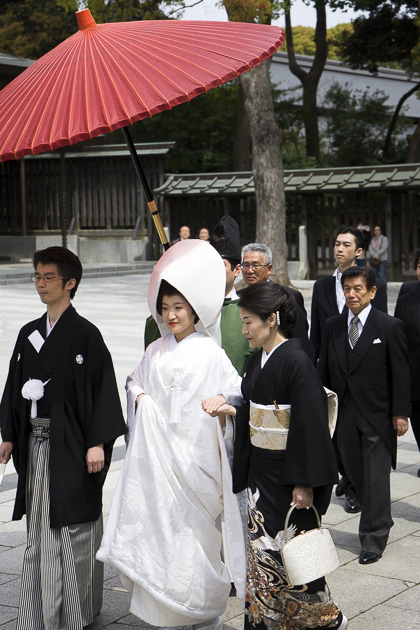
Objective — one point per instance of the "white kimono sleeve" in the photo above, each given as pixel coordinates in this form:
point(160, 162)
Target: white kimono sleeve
point(231, 380)
point(135, 385)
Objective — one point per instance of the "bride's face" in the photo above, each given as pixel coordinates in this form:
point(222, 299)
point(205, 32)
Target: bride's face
point(178, 316)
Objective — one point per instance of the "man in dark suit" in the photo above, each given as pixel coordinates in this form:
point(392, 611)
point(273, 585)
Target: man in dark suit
point(327, 301)
point(364, 359)
point(407, 309)
point(257, 266)
point(327, 296)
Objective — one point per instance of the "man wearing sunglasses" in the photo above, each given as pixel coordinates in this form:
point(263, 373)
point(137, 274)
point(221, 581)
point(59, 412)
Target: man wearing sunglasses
point(59, 416)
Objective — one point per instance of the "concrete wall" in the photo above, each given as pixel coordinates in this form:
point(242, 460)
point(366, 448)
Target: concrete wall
point(21, 248)
point(100, 250)
point(105, 250)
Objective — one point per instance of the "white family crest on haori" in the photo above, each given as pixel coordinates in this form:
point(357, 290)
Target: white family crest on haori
point(199, 274)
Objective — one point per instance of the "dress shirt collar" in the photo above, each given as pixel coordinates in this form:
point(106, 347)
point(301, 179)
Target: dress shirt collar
point(232, 295)
point(363, 315)
point(339, 293)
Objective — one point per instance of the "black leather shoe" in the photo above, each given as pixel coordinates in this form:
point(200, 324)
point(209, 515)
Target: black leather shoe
point(341, 487)
point(368, 557)
point(352, 506)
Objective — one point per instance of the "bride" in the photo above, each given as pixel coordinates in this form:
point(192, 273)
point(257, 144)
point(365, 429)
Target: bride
point(162, 533)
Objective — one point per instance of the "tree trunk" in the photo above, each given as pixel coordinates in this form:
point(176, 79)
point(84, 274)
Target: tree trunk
point(242, 140)
point(267, 166)
point(310, 79)
point(413, 155)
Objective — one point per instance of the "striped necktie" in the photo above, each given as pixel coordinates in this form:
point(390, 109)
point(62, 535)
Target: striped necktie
point(354, 331)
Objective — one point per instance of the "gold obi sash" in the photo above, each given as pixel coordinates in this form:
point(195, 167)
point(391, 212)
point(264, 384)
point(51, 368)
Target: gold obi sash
point(269, 426)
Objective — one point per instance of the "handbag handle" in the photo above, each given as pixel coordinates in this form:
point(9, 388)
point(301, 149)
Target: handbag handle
point(286, 522)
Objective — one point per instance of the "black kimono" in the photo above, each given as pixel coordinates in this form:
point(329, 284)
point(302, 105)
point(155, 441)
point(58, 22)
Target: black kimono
point(283, 440)
point(82, 401)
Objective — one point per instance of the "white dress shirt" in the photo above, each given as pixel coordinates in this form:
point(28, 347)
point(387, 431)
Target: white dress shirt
point(362, 320)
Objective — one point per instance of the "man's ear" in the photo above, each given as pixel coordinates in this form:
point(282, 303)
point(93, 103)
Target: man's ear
point(70, 284)
point(237, 270)
point(359, 251)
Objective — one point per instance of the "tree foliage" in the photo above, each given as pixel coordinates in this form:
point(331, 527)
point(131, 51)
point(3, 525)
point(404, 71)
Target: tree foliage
point(387, 34)
point(258, 11)
point(29, 28)
point(127, 10)
point(357, 122)
point(202, 130)
point(304, 40)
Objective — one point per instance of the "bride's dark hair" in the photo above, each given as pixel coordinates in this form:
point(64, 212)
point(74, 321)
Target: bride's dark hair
point(169, 290)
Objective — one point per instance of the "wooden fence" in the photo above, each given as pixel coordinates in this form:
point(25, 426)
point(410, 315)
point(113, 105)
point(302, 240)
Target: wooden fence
point(103, 198)
point(102, 193)
point(398, 213)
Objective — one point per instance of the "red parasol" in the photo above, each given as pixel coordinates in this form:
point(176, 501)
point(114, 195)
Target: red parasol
point(107, 76)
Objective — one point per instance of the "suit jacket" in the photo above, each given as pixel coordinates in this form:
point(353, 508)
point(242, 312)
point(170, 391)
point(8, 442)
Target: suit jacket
point(407, 309)
point(324, 306)
point(375, 373)
point(407, 287)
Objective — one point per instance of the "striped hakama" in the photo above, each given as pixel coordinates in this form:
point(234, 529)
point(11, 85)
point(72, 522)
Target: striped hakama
point(61, 580)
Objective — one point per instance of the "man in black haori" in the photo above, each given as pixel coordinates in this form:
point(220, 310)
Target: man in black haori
point(59, 417)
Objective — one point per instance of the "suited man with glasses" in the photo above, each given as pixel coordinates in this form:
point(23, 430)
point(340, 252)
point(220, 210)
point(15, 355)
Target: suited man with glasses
point(257, 263)
point(257, 266)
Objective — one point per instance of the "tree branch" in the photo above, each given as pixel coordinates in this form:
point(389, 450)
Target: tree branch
point(190, 6)
point(321, 46)
point(295, 68)
point(394, 118)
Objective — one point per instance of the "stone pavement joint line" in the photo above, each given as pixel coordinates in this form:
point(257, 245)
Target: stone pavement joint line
point(384, 595)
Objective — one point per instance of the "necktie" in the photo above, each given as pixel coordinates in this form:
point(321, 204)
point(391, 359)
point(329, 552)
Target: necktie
point(354, 331)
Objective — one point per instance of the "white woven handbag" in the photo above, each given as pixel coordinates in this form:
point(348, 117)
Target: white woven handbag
point(310, 555)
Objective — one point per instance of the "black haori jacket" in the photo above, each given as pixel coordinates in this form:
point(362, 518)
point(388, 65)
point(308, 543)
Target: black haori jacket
point(84, 409)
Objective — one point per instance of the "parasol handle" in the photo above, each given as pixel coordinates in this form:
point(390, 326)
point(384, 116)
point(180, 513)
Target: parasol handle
point(146, 188)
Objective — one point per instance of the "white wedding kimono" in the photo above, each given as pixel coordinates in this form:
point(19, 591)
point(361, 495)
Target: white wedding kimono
point(175, 482)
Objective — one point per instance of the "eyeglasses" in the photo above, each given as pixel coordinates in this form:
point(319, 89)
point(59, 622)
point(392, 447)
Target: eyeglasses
point(46, 277)
point(254, 266)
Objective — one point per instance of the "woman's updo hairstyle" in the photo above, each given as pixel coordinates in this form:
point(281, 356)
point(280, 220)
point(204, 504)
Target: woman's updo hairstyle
point(265, 298)
point(169, 290)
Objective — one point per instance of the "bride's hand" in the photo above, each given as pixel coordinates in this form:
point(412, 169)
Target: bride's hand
point(217, 406)
point(212, 404)
point(138, 398)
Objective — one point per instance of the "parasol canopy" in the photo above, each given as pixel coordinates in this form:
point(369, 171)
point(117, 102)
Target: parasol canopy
point(108, 76)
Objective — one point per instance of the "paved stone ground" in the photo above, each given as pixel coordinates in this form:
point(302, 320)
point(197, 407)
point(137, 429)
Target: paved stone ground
point(384, 595)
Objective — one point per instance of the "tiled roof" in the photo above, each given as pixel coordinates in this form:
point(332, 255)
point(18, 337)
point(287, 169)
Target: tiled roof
point(405, 176)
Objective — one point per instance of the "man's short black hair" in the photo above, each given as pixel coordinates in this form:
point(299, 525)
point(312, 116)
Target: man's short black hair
point(366, 272)
point(68, 264)
point(233, 262)
point(358, 235)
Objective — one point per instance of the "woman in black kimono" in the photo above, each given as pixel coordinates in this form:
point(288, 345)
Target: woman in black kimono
point(284, 456)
